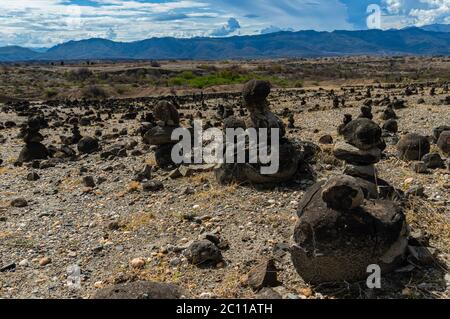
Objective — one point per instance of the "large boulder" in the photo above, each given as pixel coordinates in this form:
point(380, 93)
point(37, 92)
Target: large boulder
point(338, 245)
point(413, 147)
point(139, 290)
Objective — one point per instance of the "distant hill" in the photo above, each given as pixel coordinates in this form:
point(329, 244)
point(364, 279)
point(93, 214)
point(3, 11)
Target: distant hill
point(411, 41)
point(16, 53)
point(436, 27)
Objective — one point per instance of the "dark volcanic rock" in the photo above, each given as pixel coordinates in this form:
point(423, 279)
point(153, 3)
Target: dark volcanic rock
point(203, 251)
point(343, 193)
point(32, 151)
point(353, 155)
point(413, 147)
point(363, 134)
point(433, 160)
point(88, 145)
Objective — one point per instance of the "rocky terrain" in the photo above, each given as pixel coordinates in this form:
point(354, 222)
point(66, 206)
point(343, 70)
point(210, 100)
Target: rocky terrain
point(93, 197)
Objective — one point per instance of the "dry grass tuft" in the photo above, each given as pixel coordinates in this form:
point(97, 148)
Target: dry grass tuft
point(138, 221)
point(431, 218)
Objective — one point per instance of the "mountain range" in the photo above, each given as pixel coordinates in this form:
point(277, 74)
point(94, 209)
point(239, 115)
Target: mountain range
point(428, 40)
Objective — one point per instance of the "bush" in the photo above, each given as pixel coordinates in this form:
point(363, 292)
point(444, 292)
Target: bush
point(50, 93)
point(82, 74)
point(94, 92)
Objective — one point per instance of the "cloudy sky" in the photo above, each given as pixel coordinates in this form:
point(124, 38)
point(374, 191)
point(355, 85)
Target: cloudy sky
point(43, 23)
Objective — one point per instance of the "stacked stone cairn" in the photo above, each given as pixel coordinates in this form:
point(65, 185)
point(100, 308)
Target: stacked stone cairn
point(255, 94)
point(345, 224)
point(33, 148)
point(167, 120)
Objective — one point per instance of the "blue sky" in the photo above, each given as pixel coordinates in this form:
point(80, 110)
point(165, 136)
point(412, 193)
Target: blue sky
point(43, 23)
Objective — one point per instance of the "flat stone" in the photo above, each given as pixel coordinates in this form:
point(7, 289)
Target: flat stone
point(353, 155)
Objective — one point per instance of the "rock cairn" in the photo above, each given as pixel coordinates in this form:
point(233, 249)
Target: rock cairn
point(33, 148)
point(260, 116)
point(361, 150)
point(167, 120)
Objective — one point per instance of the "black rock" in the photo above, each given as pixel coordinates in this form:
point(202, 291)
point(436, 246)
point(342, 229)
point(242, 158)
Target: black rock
point(413, 147)
point(19, 202)
point(433, 160)
point(88, 145)
point(203, 251)
point(33, 176)
point(391, 126)
point(343, 193)
point(89, 181)
point(153, 186)
point(364, 134)
point(33, 151)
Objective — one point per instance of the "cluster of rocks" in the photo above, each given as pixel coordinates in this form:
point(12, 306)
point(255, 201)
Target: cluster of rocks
point(255, 95)
point(348, 222)
point(417, 148)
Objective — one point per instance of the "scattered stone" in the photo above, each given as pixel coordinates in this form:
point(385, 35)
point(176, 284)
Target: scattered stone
point(44, 261)
point(8, 267)
point(152, 186)
point(89, 181)
point(33, 176)
point(268, 294)
point(88, 145)
point(203, 251)
point(137, 263)
point(438, 131)
point(416, 190)
point(19, 203)
point(420, 167)
point(326, 139)
point(144, 174)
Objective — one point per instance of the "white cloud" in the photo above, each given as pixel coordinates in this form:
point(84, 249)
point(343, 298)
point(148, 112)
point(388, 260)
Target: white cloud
point(402, 13)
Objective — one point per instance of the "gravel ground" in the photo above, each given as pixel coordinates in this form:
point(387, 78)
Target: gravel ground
point(102, 229)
